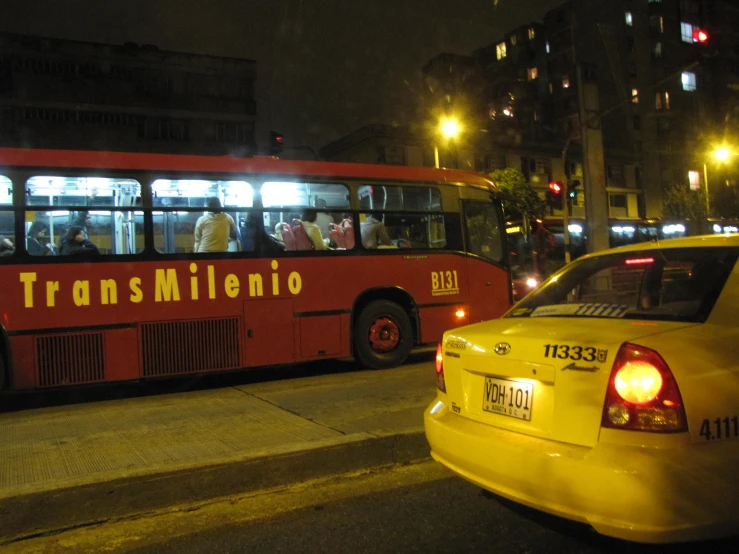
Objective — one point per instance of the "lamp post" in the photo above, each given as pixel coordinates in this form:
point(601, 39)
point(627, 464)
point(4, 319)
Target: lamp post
point(449, 129)
point(721, 154)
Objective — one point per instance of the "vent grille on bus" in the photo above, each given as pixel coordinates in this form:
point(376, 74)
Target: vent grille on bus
point(189, 346)
point(70, 359)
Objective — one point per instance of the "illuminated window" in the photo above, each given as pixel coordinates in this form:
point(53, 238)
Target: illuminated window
point(694, 178)
point(629, 19)
point(533, 73)
point(657, 50)
point(532, 33)
point(688, 80)
point(566, 82)
point(662, 100)
point(513, 40)
point(635, 95)
point(686, 32)
point(657, 23)
point(500, 50)
point(551, 88)
point(546, 47)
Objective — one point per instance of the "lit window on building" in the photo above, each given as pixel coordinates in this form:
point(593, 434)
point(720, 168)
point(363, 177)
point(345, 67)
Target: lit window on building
point(635, 95)
point(657, 23)
point(500, 50)
point(686, 32)
point(547, 48)
point(688, 81)
point(657, 50)
point(513, 40)
point(532, 33)
point(662, 100)
point(694, 178)
point(629, 19)
point(533, 73)
point(551, 88)
point(566, 82)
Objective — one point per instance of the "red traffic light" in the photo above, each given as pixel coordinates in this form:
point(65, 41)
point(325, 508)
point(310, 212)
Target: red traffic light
point(699, 35)
point(279, 138)
point(555, 187)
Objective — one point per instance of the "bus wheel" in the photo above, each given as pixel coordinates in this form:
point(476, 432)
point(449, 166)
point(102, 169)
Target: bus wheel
point(383, 335)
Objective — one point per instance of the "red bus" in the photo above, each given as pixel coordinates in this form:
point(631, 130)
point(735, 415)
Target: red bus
point(141, 303)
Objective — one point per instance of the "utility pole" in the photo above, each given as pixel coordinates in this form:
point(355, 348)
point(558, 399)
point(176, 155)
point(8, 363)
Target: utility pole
point(566, 202)
point(591, 137)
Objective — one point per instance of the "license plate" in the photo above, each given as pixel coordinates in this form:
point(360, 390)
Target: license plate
point(508, 397)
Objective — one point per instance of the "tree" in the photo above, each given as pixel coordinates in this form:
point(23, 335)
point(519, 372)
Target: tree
point(520, 200)
point(679, 202)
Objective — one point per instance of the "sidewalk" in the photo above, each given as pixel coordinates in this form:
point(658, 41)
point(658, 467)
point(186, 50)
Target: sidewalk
point(74, 465)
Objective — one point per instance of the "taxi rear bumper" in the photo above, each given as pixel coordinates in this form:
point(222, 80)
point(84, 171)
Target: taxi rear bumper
point(671, 493)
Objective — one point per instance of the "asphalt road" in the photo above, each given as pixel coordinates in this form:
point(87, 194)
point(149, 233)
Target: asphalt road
point(418, 508)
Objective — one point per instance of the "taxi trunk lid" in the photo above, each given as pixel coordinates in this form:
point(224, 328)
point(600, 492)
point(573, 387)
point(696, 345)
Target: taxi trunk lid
point(544, 377)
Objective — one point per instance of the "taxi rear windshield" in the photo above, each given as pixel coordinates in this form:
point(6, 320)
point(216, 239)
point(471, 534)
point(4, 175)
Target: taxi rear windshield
point(675, 284)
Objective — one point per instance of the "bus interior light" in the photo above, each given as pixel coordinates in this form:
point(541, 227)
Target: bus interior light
point(574, 228)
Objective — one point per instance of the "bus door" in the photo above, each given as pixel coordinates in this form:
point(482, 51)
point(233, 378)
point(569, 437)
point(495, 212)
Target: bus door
point(488, 279)
point(269, 333)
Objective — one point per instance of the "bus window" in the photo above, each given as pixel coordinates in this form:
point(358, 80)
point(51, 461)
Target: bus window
point(307, 216)
point(7, 218)
point(104, 208)
point(483, 230)
point(393, 222)
point(182, 202)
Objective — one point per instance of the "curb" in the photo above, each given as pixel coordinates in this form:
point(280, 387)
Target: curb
point(36, 513)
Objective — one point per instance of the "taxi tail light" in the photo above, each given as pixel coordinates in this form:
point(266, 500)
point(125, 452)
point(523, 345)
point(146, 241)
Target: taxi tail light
point(440, 383)
point(642, 393)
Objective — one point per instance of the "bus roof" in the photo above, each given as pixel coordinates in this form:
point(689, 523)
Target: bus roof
point(34, 157)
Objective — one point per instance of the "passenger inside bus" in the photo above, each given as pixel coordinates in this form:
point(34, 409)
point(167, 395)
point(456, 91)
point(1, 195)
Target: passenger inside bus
point(74, 243)
point(38, 242)
point(323, 218)
point(373, 231)
point(313, 230)
point(7, 248)
point(214, 229)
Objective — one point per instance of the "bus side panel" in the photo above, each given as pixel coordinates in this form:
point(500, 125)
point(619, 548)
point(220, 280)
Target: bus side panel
point(23, 373)
point(489, 287)
point(320, 336)
point(437, 319)
point(270, 333)
point(117, 367)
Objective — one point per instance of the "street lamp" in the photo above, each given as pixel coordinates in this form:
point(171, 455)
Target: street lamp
point(449, 129)
point(721, 154)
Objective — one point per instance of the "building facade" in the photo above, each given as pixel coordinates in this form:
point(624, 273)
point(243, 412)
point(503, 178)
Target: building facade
point(65, 94)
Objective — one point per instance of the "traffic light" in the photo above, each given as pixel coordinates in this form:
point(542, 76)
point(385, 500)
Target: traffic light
point(572, 187)
point(700, 36)
point(276, 140)
point(555, 187)
point(554, 195)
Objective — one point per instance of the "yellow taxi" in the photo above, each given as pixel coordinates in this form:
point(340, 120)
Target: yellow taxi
point(609, 395)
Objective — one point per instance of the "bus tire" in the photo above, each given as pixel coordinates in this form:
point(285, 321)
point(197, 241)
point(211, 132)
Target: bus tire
point(383, 336)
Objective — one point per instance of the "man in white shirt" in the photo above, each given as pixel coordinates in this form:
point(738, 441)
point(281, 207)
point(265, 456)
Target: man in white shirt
point(214, 229)
point(374, 232)
point(323, 218)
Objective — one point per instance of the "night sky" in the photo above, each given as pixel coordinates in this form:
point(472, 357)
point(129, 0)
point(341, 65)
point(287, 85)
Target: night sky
point(324, 67)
